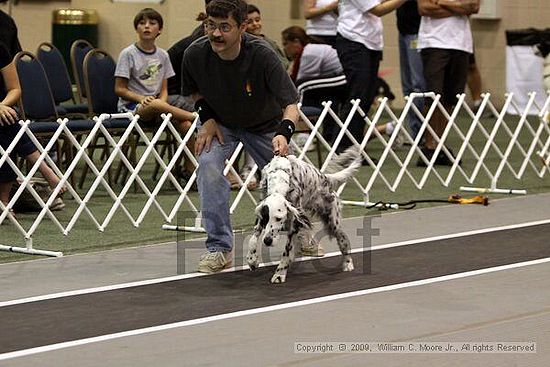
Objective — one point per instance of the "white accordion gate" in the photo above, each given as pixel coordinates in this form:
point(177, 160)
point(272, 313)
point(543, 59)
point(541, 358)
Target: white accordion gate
point(480, 140)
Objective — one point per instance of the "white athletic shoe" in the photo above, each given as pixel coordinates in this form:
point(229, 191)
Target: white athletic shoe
point(310, 247)
point(214, 262)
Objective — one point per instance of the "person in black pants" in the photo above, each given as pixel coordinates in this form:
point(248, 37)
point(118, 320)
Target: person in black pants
point(359, 43)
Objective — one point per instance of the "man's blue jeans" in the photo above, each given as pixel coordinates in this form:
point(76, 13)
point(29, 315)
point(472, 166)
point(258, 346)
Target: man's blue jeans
point(214, 188)
point(412, 76)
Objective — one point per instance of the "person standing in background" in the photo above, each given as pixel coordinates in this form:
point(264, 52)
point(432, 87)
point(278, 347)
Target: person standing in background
point(445, 40)
point(321, 19)
point(359, 44)
point(410, 61)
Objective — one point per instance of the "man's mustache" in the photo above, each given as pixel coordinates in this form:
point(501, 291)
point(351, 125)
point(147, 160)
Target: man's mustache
point(216, 39)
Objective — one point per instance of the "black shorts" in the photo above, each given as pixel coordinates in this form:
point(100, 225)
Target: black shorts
point(445, 72)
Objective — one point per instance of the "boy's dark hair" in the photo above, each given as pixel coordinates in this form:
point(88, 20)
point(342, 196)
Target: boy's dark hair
point(228, 8)
point(148, 13)
point(252, 9)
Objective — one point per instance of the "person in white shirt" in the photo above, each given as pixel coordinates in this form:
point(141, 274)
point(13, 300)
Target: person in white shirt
point(359, 43)
point(321, 19)
point(310, 58)
point(445, 41)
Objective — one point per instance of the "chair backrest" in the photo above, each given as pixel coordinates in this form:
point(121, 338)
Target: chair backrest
point(56, 71)
point(99, 81)
point(36, 96)
point(79, 49)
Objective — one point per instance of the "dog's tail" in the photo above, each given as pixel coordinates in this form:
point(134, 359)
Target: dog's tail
point(344, 166)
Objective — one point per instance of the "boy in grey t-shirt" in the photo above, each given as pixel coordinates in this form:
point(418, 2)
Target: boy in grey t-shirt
point(141, 78)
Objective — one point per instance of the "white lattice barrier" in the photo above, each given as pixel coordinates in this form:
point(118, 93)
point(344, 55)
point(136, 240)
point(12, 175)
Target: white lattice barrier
point(495, 146)
point(117, 142)
point(528, 138)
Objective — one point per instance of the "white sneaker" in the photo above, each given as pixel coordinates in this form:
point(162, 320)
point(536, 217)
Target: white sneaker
point(310, 246)
point(214, 262)
point(400, 139)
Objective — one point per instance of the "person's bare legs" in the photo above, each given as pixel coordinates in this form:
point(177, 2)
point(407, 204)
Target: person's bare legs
point(5, 188)
point(49, 175)
point(474, 83)
point(437, 123)
point(158, 106)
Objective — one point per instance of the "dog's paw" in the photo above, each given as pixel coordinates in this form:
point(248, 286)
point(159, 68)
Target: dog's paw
point(278, 278)
point(252, 262)
point(347, 265)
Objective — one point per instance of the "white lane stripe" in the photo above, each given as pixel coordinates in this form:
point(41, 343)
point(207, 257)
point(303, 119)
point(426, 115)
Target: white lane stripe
point(245, 267)
point(255, 311)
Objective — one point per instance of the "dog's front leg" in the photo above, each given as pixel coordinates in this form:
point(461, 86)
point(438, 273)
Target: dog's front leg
point(345, 249)
point(286, 259)
point(252, 255)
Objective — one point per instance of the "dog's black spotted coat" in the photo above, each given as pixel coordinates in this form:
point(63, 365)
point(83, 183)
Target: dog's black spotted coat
point(293, 190)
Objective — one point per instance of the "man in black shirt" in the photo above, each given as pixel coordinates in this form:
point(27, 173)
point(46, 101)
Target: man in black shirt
point(242, 94)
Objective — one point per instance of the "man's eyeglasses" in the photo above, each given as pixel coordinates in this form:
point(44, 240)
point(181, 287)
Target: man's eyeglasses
point(223, 27)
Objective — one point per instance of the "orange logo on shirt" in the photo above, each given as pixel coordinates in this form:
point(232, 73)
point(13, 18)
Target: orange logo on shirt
point(248, 88)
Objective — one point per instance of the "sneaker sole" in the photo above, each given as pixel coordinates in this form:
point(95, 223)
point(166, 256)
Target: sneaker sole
point(318, 253)
point(208, 270)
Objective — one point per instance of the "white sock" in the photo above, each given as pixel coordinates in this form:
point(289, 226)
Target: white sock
point(389, 128)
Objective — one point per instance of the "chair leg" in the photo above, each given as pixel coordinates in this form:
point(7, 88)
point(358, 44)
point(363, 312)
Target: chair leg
point(162, 152)
point(319, 155)
point(124, 150)
point(91, 150)
point(65, 153)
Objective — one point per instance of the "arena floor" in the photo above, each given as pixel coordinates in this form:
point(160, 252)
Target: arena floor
point(467, 275)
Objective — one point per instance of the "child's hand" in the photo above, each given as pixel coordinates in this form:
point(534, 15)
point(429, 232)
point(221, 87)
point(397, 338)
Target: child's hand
point(145, 101)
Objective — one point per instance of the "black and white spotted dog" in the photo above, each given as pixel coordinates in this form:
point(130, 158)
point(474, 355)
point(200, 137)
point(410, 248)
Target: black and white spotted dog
point(295, 189)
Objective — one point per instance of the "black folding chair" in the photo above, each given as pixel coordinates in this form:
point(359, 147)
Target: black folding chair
point(99, 84)
point(37, 104)
point(58, 77)
point(79, 50)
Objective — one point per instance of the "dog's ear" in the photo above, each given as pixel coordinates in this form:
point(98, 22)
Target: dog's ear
point(262, 214)
point(299, 218)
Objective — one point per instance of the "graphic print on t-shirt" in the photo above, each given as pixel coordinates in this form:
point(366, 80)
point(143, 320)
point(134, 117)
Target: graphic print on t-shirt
point(150, 73)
